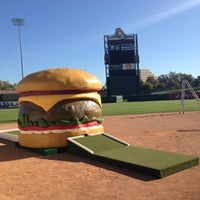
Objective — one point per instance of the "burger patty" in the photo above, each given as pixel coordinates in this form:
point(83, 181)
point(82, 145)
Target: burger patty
point(64, 110)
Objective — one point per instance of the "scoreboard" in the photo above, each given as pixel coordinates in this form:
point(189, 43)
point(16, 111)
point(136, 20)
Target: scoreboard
point(121, 63)
point(121, 51)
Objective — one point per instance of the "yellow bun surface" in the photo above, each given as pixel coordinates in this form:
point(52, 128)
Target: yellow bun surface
point(51, 140)
point(47, 102)
point(59, 79)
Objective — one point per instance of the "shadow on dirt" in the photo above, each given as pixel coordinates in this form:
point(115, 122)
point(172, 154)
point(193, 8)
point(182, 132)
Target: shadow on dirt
point(189, 131)
point(9, 152)
point(73, 158)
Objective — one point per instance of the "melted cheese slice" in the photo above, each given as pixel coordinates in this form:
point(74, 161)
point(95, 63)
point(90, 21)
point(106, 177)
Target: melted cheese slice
point(48, 101)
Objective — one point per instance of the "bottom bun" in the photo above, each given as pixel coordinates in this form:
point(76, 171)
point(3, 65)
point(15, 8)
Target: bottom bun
point(54, 140)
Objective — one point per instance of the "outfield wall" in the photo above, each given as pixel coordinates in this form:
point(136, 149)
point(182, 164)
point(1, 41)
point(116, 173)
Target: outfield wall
point(9, 100)
point(9, 97)
point(155, 97)
point(8, 104)
point(188, 95)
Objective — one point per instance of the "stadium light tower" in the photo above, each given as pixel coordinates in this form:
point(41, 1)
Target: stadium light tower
point(20, 22)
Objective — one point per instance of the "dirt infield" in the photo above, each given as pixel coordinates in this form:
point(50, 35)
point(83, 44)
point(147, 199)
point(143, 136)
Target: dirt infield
point(26, 175)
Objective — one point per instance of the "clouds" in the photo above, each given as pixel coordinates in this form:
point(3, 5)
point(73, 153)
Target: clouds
point(164, 15)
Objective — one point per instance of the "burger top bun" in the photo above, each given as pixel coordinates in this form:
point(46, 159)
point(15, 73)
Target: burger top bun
point(58, 79)
point(48, 87)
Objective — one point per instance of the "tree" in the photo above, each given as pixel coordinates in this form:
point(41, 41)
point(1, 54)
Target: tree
point(168, 82)
point(153, 81)
point(145, 88)
point(6, 85)
point(196, 82)
point(173, 80)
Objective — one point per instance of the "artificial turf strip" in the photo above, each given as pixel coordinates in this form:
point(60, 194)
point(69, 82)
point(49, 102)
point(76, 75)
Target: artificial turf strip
point(153, 162)
point(43, 151)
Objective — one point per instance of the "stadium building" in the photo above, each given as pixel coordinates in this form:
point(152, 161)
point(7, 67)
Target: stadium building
point(121, 63)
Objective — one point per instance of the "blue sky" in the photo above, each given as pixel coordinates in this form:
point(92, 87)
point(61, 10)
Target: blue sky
point(69, 33)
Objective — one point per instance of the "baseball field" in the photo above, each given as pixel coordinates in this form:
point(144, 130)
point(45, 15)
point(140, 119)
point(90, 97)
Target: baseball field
point(155, 125)
point(109, 109)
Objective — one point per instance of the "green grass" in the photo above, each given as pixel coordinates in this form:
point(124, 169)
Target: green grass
point(148, 107)
point(10, 115)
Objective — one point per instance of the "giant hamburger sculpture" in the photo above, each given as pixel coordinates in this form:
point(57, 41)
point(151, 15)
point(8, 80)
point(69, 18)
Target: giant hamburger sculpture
point(56, 104)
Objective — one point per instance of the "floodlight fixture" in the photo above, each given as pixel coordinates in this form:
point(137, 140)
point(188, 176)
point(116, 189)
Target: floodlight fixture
point(20, 22)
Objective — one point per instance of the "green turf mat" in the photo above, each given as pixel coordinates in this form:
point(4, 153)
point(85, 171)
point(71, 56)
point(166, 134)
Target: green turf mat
point(97, 143)
point(103, 148)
